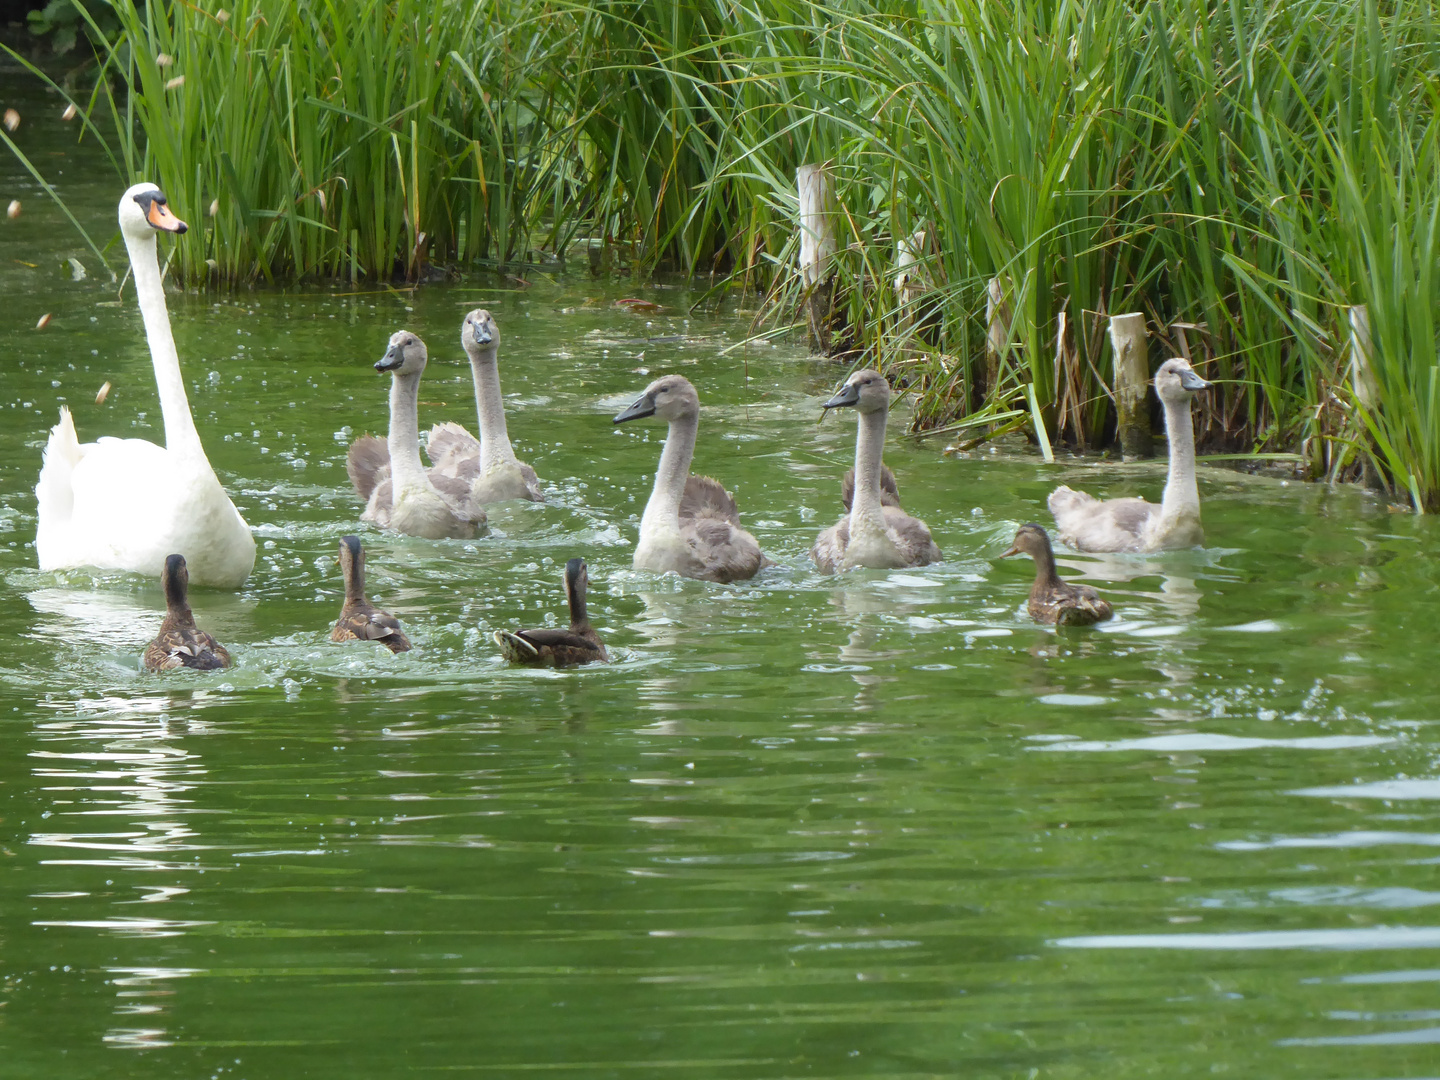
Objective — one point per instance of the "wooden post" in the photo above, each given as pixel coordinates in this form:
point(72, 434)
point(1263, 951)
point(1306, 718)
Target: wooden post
point(1362, 381)
point(817, 251)
point(1132, 382)
point(997, 330)
point(910, 284)
point(1362, 376)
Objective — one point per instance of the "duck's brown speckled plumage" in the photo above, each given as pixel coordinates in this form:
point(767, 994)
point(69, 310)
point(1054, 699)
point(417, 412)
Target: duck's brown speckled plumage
point(180, 643)
point(552, 646)
point(1052, 600)
point(359, 619)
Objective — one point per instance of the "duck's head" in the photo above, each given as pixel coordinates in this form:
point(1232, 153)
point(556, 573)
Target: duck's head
point(175, 580)
point(144, 210)
point(1176, 380)
point(668, 398)
point(352, 557)
point(1030, 540)
point(479, 333)
point(577, 578)
point(405, 356)
point(866, 390)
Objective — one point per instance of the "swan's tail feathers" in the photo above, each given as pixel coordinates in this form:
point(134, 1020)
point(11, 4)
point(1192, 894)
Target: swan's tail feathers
point(368, 456)
point(707, 498)
point(449, 439)
point(55, 491)
point(1065, 501)
point(889, 490)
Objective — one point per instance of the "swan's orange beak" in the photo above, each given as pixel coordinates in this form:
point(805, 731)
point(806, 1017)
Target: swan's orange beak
point(160, 217)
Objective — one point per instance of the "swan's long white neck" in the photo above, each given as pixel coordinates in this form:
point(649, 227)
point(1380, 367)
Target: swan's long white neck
point(495, 447)
point(180, 434)
point(866, 509)
point(1181, 494)
point(404, 439)
point(662, 512)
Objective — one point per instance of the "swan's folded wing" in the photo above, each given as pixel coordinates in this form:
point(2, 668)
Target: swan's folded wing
point(889, 490)
point(726, 551)
point(532, 483)
point(450, 440)
point(912, 537)
point(456, 493)
point(707, 498)
point(368, 456)
point(1087, 524)
point(830, 545)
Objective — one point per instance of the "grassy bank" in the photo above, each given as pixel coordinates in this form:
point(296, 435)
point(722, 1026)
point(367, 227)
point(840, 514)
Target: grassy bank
point(1243, 173)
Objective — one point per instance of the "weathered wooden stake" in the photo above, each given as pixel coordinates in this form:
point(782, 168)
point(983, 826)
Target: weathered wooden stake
point(1362, 375)
point(997, 332)
point(910, 284)
point(1362, 380)
point(1132, 382)
point(817, 251)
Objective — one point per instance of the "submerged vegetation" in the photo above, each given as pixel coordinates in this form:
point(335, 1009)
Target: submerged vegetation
point(1246, 174)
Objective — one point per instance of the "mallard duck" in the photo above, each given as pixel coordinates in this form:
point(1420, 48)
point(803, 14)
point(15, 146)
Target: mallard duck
point(124, 504)
point(359, 619)
point(407, 500)
point(874, 531)
point(1089, 524)
point(180, 643)
point(1052, 600)
point(551, 646)
point(691, 525)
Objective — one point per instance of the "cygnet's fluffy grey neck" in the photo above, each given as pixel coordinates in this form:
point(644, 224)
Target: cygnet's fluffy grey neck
point(404, 439)
point(180, 433)
point(490, 406)
point(1181, 494)
point(662, 512)
point(867, 508)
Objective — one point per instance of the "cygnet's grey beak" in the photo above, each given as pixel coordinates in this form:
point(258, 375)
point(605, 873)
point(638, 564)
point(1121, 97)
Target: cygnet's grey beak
point(642, 406)
point(393, 358)
point(848, 394)
point(1192, 382)
point(483, 335)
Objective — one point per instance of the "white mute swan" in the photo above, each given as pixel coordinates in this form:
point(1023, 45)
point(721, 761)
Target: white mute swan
point(875, 532)
point(690, 524)
point(127, 504)
point(1088, 524)
point(388, 475)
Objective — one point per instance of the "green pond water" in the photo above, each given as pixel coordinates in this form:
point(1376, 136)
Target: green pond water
point(874, 826)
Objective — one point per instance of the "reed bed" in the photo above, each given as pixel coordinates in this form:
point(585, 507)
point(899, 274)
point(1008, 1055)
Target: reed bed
point(1244, 173)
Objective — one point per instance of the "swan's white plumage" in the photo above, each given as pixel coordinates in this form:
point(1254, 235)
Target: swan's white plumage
point(126, 504)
